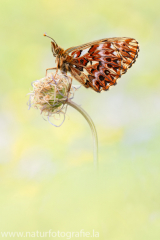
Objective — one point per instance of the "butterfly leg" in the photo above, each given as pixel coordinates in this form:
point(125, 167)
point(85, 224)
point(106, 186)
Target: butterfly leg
point(70, 86)
point(51, 69)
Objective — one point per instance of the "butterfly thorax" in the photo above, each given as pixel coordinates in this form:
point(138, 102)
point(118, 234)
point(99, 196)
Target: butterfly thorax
point(63, 60)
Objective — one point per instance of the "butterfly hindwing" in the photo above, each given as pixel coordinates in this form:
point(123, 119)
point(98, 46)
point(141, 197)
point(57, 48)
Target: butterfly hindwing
point(99, 64)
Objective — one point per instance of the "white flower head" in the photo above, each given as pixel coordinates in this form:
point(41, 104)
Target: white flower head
point(51, 93)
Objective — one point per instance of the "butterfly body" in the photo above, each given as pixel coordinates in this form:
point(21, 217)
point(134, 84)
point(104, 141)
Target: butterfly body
point(97, 64)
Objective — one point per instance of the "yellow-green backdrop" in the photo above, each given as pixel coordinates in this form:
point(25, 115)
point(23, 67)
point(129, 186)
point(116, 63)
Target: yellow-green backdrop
point(47, 179)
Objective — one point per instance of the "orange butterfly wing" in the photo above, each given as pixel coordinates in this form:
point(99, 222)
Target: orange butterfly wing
point(99, 64)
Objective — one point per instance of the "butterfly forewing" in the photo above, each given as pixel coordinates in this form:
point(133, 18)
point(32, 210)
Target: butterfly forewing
point(99, 64)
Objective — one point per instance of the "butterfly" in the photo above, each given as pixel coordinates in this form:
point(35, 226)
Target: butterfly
point(97, 64)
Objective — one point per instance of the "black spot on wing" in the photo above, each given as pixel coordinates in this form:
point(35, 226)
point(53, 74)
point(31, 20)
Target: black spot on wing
point(115, 61)
point(93, 70)
point(106, 72)
point(108, 59)
point(99, 65)
point(93, 48)
point(79, 68)
point(83, 61)
point(101, 77)
point(116, 68)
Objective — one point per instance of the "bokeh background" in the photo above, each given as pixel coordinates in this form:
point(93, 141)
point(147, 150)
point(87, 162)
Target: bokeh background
point(47, 180)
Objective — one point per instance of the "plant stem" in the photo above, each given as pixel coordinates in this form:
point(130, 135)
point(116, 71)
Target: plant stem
point(93, 129)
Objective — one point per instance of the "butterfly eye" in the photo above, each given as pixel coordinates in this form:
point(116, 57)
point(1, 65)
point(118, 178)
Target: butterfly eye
point(53, 48)
point(57, 50)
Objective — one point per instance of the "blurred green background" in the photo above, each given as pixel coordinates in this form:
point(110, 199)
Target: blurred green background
point(47, 180)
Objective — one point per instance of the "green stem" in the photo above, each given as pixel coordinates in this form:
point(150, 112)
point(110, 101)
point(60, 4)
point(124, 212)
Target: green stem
point(93, 129)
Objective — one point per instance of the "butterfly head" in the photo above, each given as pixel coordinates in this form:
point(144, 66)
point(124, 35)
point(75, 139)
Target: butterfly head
point(56, 50)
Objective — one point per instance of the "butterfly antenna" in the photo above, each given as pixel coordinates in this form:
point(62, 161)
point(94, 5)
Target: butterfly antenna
point(45, 35)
